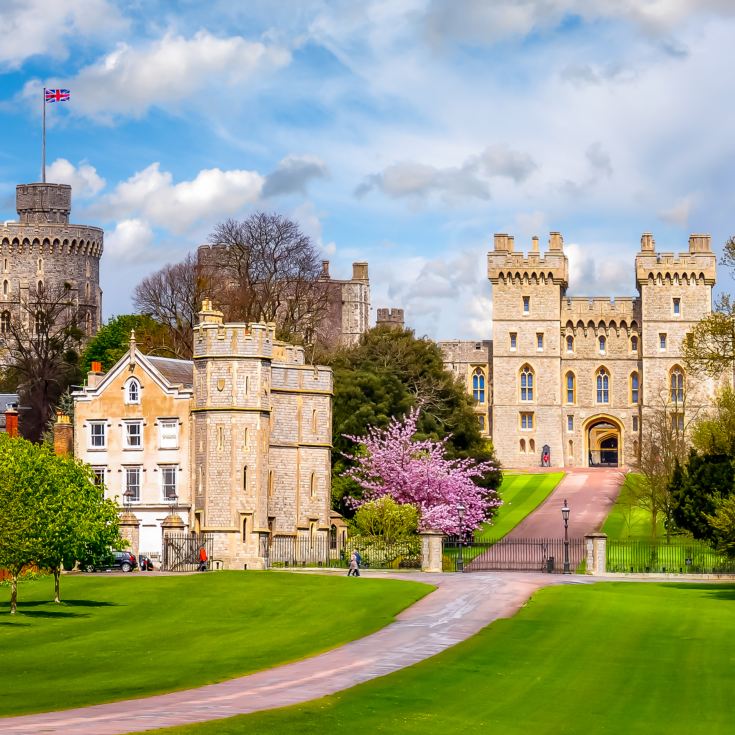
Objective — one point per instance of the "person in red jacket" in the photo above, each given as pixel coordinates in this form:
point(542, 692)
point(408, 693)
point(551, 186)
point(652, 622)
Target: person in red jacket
point(202, 560)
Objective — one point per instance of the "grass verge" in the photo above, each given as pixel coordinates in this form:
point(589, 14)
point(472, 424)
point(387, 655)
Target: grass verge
point(626, 520)
point(578, 659)
point(118, 637)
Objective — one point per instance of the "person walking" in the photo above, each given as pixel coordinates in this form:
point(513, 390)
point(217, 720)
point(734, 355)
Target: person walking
point(202, 560)
point(353, 570)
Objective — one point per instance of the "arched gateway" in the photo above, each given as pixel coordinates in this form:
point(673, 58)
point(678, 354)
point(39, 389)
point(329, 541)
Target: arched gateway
point(603, 441)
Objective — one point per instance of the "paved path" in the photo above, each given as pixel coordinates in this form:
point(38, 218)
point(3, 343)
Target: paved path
point(461, 606)
point(591, 493)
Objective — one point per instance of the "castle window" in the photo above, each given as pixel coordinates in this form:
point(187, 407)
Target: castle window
point(526, 304)
point(662, 341)
point(245, 478)
point(313, 485)
point(602, 344)
point(41, 322)
point(4, 322)
point(531, 445)
point(526, 383)
point(88, 323)
point(571, 388)
point(570, 343)
point(481, 422)
point(271, 482)
point(635, 423)
point(603, 386)
point(244, 530)
point(676, 377)
point(677, 307)
point(5, 265)
point(313, 421)
point(5, 288)
point(478, 385)
point(220, 438)
point(132, 391)
point(571, 449)
point(522, 446)
point(570, 423)
point(513, 341)
point(634, 343)
point(634, 388)
point(677, 422)
point(40, 265)
point(40, 286)
point(539, 342)
point(526, 420)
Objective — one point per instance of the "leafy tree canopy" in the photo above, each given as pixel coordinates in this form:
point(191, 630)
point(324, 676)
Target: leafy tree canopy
point(386, 518)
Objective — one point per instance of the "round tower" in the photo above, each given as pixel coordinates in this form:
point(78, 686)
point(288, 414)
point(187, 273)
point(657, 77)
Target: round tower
point(42, 248)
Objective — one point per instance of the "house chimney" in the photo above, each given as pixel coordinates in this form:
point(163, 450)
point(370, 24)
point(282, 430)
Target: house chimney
point(63, 435)
point(95, 375)
point(325, 270)
point(11, 421)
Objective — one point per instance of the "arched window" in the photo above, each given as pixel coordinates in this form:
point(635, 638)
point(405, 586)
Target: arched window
point(602, 343)
point(603, 386)
point(313, 421)
point(245, 478)
point(523, 446)
point(634, 343)
point(88, 323)
point(571, 449)
point(526, 383)
point(478, 385)
point(570, 343)
point(40, 322)
point(5, 288)
point(677, 384)
point(5, 322)
point(571, 388)
point(531, 446)
point(40, 286)
point(132, 392)
point(333, 536)
point(634, 388)
point(271, 481)
point(40, 264)
point(244, 530)
point(313, 485)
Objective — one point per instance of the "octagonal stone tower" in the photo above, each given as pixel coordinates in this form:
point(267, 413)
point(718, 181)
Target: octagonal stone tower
point(43, 248)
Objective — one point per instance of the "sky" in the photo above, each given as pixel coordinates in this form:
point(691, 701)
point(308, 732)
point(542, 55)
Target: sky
point(400, 132)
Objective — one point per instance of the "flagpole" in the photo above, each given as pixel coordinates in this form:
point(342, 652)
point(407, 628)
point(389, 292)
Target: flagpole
point(43, 147)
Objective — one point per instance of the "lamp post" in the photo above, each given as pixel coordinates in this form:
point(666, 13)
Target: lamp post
point(460, 559)
point(565, 516)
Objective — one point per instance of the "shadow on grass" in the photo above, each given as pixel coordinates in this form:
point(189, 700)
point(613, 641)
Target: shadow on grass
point(58, 613)
point(721, 590)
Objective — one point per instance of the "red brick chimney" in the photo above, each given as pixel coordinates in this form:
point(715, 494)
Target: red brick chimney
point(63, 435)
point(11, 422)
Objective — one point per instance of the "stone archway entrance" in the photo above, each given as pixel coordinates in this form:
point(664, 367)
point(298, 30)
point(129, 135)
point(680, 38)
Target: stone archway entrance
point(603, 439)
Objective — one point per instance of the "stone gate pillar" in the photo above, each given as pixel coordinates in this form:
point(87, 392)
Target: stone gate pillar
point(596, 550)
point(431, 551)
point(130, 530)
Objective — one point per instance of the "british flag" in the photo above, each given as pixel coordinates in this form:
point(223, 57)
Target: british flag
point(57, 95)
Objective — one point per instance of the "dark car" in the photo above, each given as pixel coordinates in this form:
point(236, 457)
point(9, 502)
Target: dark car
point(145, 563)
point(123, 560)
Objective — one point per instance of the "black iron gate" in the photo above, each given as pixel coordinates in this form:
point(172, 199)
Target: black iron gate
point(181, 551)
point(514, 555)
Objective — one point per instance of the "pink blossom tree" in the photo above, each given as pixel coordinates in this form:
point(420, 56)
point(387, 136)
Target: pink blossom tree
point(391, 462)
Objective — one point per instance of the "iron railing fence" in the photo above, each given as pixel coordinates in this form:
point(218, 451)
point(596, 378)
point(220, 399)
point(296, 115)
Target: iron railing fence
point(181, 551)
point(289, 551)
point(656, 556)
point(513, 555)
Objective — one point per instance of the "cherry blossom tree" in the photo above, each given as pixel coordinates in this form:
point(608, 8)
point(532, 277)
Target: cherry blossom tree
point(391, 461)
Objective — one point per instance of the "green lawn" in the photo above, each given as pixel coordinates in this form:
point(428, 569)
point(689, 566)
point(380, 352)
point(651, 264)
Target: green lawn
point(521, 495)
point(117, 637)
point(625, 521)
point(609, 658)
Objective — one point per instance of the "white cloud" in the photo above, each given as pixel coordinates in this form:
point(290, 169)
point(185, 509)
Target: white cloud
point(130, 239)
point(293, 174)
point(39, 27)
point(680, 212)
point(153, 195)
point(83, 178)
point(591, 274)
point(164, 72)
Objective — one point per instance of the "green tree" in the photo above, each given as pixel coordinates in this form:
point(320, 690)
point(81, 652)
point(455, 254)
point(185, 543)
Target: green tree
point(74, 518)
point(722, 522)
point(386, 374)
point(113, 340)
point(386, 518)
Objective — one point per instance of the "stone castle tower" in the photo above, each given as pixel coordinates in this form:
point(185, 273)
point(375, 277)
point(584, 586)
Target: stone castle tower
point(261, 439)
point(580, 375)
point(44, 249)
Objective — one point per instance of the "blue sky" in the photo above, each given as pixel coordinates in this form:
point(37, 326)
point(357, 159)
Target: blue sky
point(401, 132)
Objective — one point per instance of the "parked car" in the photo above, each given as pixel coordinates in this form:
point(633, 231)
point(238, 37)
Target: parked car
point(123, 560)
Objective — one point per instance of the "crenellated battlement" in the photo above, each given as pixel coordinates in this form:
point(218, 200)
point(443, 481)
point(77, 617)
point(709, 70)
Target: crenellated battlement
point(505, 265)
point(604, 307)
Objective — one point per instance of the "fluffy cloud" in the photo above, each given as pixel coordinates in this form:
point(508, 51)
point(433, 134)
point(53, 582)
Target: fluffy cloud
point(133, 78)
point(592, 275)
point(38, 27)
point(293, 174)
point(83, 179)
point(679, 213)
point(152, 195)
point(130, 239)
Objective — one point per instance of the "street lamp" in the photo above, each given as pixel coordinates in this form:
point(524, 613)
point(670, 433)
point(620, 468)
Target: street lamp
point(460, 560)
point(565, 516)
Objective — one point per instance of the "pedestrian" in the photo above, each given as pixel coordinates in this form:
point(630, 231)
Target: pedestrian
point(202, 560)
point(353, 570)
point(358, 558)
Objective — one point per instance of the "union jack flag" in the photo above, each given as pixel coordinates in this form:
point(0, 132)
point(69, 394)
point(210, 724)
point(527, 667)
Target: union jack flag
point(57, 95)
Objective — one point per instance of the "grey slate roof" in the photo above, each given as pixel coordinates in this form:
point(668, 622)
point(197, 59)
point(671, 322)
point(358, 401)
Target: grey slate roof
point(176, 372)
point(6, 399)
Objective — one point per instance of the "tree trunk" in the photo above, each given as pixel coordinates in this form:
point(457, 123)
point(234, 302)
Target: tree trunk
point(57, 595)
point(13, 594)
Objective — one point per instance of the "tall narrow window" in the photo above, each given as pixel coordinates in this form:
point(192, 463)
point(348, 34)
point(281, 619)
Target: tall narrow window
point(132, 484)
point(523, 446)
point(478, 385)
point(602, 344)
point(5, 288)
point(662, 341)
point(634, 388)
point(313, 485)
point(634, 343)
point(570, 423)
point(539, 342)
point(526, 383)
point(635, 423)
point(677, 385)
point(513, 341)
point(271, 481)
point(570, 343)
point(677, 307)
point(526, 304)
point(133, 435)
point(133, 391)
point(168, 482)
point(313, 421)
point(245, 478)
point(571, 388)
point(603, 386)
point(5, 322)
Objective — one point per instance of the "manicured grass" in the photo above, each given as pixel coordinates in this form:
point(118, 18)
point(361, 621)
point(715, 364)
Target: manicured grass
point(625, 520)
point(609, 658)
point(136, 635)
point(521, 495)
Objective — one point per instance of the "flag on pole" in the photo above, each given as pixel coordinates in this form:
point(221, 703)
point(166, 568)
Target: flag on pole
point(57, 95)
